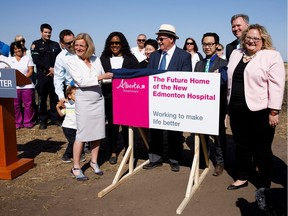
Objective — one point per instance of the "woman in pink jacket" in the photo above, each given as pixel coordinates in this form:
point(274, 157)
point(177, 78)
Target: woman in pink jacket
point(256, 82)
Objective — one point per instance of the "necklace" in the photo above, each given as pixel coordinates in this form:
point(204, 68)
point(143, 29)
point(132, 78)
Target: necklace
point(248, 58)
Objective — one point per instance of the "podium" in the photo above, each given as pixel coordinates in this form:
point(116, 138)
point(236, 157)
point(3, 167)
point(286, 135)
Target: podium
point(10, 165)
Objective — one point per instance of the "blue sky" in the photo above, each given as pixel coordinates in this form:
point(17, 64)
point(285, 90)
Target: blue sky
point(100, 18)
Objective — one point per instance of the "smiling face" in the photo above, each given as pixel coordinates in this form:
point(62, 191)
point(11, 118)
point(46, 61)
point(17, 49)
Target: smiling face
point(165, 42)
point(80, 48)
point(253, 41)
point(115, 46)
point(148, 50)
point(209, 46)
point(46, 34)
point(238, 26)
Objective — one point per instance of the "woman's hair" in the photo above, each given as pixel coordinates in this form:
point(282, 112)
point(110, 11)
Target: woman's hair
point(125, 48)
point(195, 48)
point(16, 44)
point(89, 43)
point(265, 37)
point(69, 90)
point(151, 42)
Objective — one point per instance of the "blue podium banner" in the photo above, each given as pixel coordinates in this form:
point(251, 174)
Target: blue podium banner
point(8, 83)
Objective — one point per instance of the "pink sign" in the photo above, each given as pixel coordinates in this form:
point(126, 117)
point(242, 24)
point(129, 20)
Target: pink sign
point(131, 101)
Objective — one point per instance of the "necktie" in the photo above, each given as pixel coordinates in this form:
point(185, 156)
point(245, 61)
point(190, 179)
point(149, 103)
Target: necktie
point(162, 65)
point(207, 65)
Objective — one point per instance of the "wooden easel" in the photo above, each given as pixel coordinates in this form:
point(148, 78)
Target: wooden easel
point(194, 178)
point(10, 165)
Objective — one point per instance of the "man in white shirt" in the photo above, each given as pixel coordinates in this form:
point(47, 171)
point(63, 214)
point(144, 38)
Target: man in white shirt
point(139, 51)
point(62, 78)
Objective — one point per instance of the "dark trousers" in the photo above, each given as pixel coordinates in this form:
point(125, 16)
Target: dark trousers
point(113, 129)
point(253, 137)
point(174, 141)
point(45, 88)
point(70, 135)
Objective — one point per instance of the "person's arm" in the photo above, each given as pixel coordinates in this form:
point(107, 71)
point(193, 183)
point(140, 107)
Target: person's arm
point(60, 110)
point(59, 78)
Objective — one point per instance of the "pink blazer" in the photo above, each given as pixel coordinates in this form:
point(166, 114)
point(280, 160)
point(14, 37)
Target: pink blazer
point(264, 79)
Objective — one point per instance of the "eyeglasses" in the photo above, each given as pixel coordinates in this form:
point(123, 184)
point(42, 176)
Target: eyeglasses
point(208, 44)
point(22, 40)
point(188, 43)
point(254, 39)
point(218, 49)
point(141, 40)
point(115, 42)
point(161, 38)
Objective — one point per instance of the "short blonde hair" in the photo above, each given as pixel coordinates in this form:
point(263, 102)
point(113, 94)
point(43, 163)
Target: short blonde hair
point(89, 42)
point(265, 36)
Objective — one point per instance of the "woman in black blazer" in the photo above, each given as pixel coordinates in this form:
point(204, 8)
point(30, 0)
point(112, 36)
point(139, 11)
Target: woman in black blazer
point(116, 54)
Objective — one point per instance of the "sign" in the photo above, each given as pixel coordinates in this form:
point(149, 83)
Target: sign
point(179, 101)
point(8, 83)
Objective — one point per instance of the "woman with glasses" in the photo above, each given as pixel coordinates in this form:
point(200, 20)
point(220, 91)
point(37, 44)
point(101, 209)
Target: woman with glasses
point(256, 82)
point(191, 47)
point(220, 51)
point(116, 54)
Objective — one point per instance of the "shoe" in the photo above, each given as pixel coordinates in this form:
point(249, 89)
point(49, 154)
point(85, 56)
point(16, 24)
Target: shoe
point(66, 159)
point(42, 126)
point(218, 170)
point(152, 165)
point(113, 160)
point(56, 122)
point(83, 158)
point(81, 176)
point(98, 172)
point(174, 167)
point(234, 187)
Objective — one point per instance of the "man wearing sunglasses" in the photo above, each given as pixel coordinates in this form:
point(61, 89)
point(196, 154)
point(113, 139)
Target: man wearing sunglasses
point(139, 51)
point(176, 60)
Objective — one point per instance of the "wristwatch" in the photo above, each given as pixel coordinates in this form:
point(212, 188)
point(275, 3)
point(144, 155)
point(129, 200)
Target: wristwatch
point(274, 112)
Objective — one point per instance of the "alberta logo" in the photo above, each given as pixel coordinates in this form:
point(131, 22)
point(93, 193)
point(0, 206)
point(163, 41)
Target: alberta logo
point(132, 86)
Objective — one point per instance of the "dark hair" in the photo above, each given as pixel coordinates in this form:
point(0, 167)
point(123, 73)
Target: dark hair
point(45, 25)
point(211, 34)
point(244, 16)
point(16, 44)
point(64, 33)
point(69, 90)
point(125, 48)
point(195, 48)
point(151, 42)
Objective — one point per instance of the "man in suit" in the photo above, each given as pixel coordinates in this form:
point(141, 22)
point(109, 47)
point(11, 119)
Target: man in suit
point(239, 23)
point(176, 59)
point(213, 63)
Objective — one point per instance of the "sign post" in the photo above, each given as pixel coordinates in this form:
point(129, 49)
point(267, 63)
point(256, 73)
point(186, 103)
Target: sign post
point(10, 165)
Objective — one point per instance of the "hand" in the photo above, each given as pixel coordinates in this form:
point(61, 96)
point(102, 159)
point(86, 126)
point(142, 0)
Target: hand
point(51, 72)
point(273, 120)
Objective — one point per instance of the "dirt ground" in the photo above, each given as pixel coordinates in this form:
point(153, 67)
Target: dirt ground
point(48, 189)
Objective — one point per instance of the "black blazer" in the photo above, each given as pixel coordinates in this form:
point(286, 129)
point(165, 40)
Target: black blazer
point(130, 62)
point(180, 61)
point(230, 47)
point(217, 64)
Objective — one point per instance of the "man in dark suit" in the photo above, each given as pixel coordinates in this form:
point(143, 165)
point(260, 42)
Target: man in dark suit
point(176, 59)
point(213, 63)
point(239, 23)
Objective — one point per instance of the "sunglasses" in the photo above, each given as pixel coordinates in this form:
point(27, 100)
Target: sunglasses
point(189, 43)
point(141, 40)
point(161, 38)
point(219, 49)
point(22, 40)
point(68, 43)
point(115, 42)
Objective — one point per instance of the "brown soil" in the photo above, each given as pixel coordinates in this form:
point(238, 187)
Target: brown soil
point(48, 189)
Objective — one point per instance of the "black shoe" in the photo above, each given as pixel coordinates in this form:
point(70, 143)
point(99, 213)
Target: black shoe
point(174, 167)
point(113, 160)
point(152, 165)
point(42, 126)
point(66, 159)
point(234, 187)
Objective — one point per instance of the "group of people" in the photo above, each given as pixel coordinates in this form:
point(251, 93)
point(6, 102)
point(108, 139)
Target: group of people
point(251, 92)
